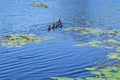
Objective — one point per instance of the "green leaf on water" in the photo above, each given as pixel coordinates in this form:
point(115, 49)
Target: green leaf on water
point(118, 49)
point(111, 79)
point(61, 78)
point(96, 72)
point(80, 44)
point(113, 56)
point(41, 5)
point(17, 40)
point(90, 78)
point(91, 69)
point(79, 79)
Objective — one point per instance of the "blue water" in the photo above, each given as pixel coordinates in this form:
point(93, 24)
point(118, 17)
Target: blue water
point(58, 56)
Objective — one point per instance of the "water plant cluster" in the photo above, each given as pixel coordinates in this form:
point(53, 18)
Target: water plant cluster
point(41, 5)
point(106, 38)
point(109, 72)
point(106, 73)
point(17, 40)
point(94, 31)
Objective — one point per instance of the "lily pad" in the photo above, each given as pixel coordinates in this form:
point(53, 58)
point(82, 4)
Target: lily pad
point(118, 49)
point(61, 78)
point(92, 43)
point(113, 56)
point(17, 40)
point(41, 5)
point(91, 69)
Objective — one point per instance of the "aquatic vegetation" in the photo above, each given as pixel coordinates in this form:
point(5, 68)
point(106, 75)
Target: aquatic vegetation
point(107, 38)
point(72, 28)
point(111, 41)
point(94, 31)
point(91, 69)
point(105, 73)
point(84, 31)
point(61, 78)
point(108, 73)
point(17, 40)
point(41, 5)
point(97, 43)
point(118, 49)
point(113, 56)
point(92, 43)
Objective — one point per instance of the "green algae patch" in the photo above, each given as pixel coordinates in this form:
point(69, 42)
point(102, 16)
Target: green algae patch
point(17, 40)
point(40, 5)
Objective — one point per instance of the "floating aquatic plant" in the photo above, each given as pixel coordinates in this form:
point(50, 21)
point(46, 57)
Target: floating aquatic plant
point(17, 40)
point(118, 49)
point(108, 73)
point(113, 55)
point(61, 78)
point(110, 43)
point(90, 69)
point(41, 5)
point(100, 73)
point(92, 43)
point(105, 73)
point(84, 31)
point(93, 31)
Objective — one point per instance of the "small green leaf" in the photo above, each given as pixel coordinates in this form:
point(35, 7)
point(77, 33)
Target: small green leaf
point(91, 69)
point(60, 78)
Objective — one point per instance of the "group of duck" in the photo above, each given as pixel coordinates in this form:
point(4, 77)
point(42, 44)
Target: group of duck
point(55, 25)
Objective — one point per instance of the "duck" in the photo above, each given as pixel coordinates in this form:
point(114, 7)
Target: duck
point(53, 25)
point(59, 21)
point(60, 25)
point(56, 25)
point(49, 28)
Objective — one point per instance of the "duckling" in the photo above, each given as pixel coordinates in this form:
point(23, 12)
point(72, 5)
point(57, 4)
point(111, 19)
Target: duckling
point(60, 25)
point(49, 28)
point(59, 21)
point(56, 25)
point(53, 25)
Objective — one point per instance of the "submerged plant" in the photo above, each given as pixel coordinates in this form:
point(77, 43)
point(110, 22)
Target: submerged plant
point(17, 40)
point(41, 5)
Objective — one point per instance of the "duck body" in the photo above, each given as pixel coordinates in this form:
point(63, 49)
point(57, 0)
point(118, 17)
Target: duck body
point(53, 25)
point(49, 28)
point(59, 21)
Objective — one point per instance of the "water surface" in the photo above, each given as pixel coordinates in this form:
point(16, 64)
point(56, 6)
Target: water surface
point(58, 56)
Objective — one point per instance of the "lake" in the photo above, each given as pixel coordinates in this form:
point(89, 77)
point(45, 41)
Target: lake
point(57, 56)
